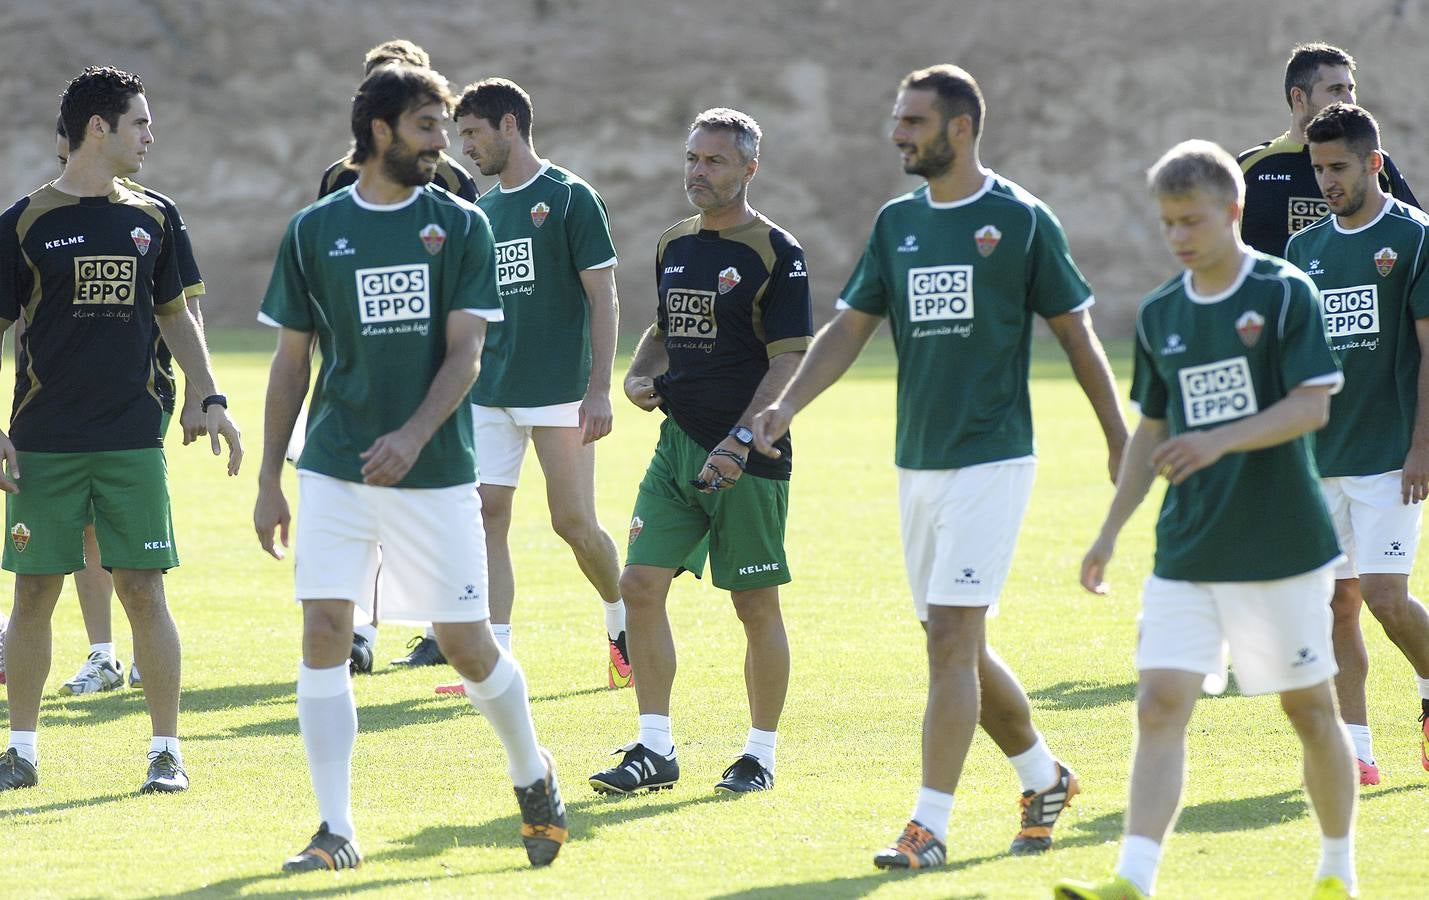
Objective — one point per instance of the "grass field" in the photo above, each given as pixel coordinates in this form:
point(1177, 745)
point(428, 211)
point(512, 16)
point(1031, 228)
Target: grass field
point(435, 809)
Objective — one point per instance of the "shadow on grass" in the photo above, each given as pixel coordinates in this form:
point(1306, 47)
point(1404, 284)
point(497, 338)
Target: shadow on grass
point(1083, 694)
point(38, 793)
point(281, 884)
point(859, 885)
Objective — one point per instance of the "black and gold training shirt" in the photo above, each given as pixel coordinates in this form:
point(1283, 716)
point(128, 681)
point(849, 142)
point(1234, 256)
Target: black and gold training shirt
point(450, 176)
point(88, 274)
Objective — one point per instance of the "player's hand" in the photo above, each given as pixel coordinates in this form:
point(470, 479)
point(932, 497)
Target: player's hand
point(596, 416)
point(770, 424)
point(192, 420)
point(218, 424)
point(1414, 482)
point(271, 514)
point(641, 391)
point(1094, 566)
point(1186, 454)
point(10, 471)
point(723, 466)
point(390, 458)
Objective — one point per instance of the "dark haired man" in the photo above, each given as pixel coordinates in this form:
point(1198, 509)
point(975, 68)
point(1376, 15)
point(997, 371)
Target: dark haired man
point(960, 267)
point(93, 267)
point(545, 368)
point(102, 670)
point(1369, 259)
point(395, 279)
point(732, 322)
point(1281, 196)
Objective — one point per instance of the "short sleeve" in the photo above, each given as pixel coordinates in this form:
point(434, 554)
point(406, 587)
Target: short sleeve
point(1055, 285)
point(183, 249)
point(15, 276)
point(287, 301)
point(1419, 278)
point(787, 313)
point(1398, 187)
point(1305, 354)
point(1148, 390)
point(477, 289)
point(867, 288)
point(588, 229)
point(662, 320)
point(168, 285)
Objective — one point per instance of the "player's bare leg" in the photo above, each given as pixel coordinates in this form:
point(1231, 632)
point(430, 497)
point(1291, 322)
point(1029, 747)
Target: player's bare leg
point(1404, 618)
point(156, 643)
point(95, 588)
point(766, 657)
point(569, 467)
point(651, 643)
point(27, 646)
point(496, 503)
point(955, 636)
point(1350, 653)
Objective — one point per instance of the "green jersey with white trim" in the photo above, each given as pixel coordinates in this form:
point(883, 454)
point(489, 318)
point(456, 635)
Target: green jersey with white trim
point(959, 283)
point(1204, 361)
point(376, 283)
point(1372, 288)
point(548, 231)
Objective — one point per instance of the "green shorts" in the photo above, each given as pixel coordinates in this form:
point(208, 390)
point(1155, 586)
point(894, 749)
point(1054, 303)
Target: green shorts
point(126, 492)
point(744, 525)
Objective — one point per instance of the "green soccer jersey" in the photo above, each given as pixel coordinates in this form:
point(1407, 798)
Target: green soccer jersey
point(1204, 361)
point(959, 283)
point(376, 283)
point(1372, 288)
point(548, 231)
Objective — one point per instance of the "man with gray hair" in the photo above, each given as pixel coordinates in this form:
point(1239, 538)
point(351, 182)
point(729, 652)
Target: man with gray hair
point(732, 322)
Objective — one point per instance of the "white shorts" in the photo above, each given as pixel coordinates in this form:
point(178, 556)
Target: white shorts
point(502, 432)
point(1378, 532)
point(959, 530)
point(430, 543)
point(1276, 632)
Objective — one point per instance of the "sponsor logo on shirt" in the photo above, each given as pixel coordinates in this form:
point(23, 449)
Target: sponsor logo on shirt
point(539, 212)
point(1217, 392)
point(340, 248)
point(987, 238)
point(1351, 311)
point(514, 264)
point(729, 279)
point(1305, 211)
point(104, 279)
point(798, 271)
point(674, 270)
point(1273, 178)
point(1249, 326)
point(1174, 345)
point(433, 237)
point(1314, 268)
point(20, 536)
point(140, 237)
point(936, 293)
point(394, 294)
point(64, 242)
point(1384, 261)
point(909, 245)
point(690, 314)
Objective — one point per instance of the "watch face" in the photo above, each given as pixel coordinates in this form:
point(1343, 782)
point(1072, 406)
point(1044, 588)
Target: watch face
point(743, 435)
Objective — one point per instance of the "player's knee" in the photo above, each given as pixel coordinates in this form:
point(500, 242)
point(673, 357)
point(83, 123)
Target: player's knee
point(325, 627)
point(1345, 603)
point(1310, 712)
point(1388, 600)
point(757, 610)
point(640, 589)
point(574, 528)
point(1160, 709)
point(952, 645)
point(140, 591)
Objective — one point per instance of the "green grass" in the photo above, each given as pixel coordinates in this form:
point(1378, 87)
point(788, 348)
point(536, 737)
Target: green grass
point(432, 799)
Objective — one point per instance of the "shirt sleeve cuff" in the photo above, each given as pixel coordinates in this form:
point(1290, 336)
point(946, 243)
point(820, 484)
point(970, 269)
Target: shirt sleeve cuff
point(490, 315)
point(609, 263)
point(1335, 380)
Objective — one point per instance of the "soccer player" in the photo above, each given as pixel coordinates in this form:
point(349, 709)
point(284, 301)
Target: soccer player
point(545, 368)
point(1281, 196)
point(960, 267)
point(1369, 260)
point(102, 670)
point(395, 278)
point(1232, 371)
point(732, 321)
point(93, 267)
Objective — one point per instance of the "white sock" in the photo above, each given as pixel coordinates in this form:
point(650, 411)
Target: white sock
point(933, 810)
point(1364, 744)
point(23, 743)
point(760, 745)
point(1036, 768)
point(1140, 857)
point(327, 717)
point(502, 699)
point(614, 618)
point(1337, 858)
point(107, 648)
point(367, 632)
point(171, 744)
point(502, 633)
point(656, 734)
point(431, 632)
point(1423, 687)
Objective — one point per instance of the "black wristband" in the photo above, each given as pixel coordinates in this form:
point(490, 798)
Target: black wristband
point(211, 399)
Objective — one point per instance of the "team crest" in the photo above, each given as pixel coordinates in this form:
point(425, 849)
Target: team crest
point(433, 237)
point(987, 238)
point(141, 240)
point(539, 213)
point(728, 280)
point(1384, 261)
point(637, 525)
point(20, 536)
point(1249, 326)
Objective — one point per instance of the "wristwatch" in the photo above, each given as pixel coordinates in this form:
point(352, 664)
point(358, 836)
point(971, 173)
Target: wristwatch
point(211, 399)
point(743, 435)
